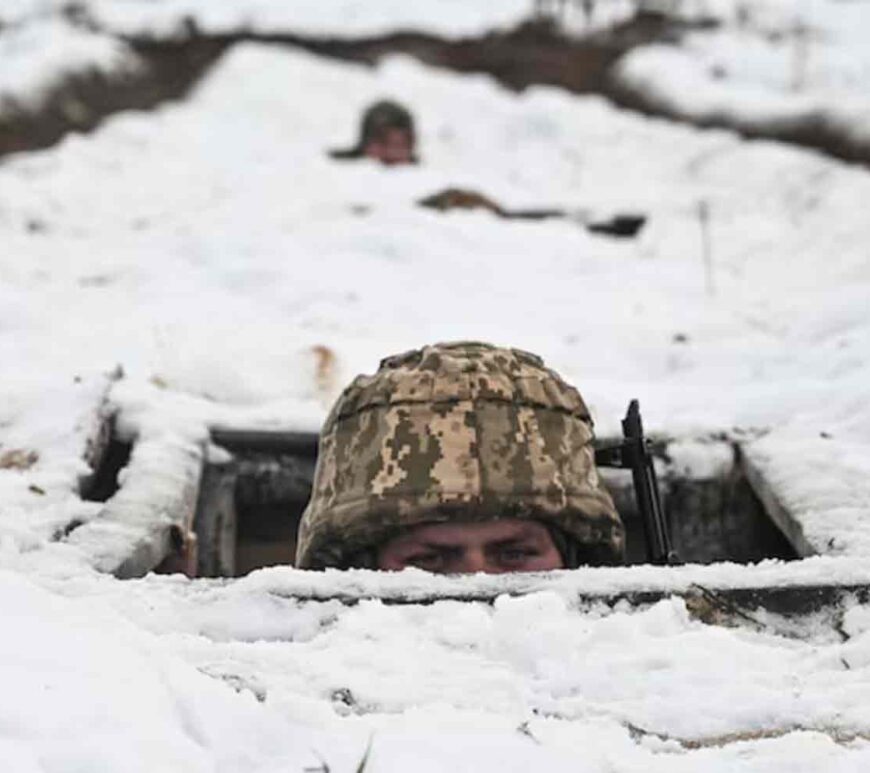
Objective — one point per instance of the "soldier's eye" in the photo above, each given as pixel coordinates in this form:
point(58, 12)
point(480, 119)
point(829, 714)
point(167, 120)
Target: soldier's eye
point(428, 561)
point(516, 555)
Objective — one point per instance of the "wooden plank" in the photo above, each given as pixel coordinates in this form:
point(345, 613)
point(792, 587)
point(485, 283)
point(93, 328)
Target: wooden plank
point(266, 441)
point(785, 610)
point(776, 510)
point(216, 520)
point(148, 524)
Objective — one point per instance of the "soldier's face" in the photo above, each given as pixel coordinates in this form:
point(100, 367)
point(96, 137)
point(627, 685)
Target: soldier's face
point(391, 146)
point(495, 547)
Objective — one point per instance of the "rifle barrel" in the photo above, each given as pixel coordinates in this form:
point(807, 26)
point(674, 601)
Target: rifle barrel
point(637, 454)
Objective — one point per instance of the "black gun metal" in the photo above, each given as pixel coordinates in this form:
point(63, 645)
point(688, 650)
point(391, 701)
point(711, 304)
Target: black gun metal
point(634, 454)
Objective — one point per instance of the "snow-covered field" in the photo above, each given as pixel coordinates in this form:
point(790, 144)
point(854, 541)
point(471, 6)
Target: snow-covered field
point(452, 18)
point(771, 64)
point(39, 55)
point(760, 66)
point(212, 250)
point(44, 42)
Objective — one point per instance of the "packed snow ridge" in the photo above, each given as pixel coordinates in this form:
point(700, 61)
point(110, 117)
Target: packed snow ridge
point(771, 67)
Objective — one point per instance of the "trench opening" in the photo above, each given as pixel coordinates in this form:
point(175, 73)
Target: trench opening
point(111, 455)
point(250, 504)
point(251, 501)
point(712, 517)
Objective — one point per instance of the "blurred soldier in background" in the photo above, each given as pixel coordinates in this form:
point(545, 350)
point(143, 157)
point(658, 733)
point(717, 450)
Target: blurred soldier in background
point(458, 458)
point(386, 134)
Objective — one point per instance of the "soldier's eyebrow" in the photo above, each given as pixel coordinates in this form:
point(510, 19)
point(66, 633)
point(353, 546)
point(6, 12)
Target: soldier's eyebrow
point(528, 539)
point(441, 547)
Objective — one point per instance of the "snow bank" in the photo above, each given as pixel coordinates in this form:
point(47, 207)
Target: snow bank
point(680, 84)
point(86, 690)
point(338, 18)
point(450, 685)
point(46, 419)
point(772, 68)
point(39, 56)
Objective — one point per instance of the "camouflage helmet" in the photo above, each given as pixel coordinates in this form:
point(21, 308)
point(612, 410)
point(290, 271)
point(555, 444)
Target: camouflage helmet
point(377, 118)
point(461, 431)
point(384, 115)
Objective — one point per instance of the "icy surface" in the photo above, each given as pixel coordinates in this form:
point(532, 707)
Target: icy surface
point(240, 277)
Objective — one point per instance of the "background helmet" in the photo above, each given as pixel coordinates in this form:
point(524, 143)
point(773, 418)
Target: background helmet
point(377, 119)
point(461, 431)
point(382, 116)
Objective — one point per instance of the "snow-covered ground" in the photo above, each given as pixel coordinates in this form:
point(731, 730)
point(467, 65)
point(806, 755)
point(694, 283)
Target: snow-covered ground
point(342, 18)
point(761, 66)
point(45, 42)
point(213, 250)
point(38, 56)
point(772, 64)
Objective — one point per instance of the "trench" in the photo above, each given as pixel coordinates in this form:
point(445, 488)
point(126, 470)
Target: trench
point(250, 505)
point(254, 486)
point(253, 492)
point(110, 458)
point(534, 53)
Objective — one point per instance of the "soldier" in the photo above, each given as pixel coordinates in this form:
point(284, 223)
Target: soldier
point(456, 458)
point(386, 134)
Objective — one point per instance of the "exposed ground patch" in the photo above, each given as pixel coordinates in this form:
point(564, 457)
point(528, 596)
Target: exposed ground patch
point(81, 101)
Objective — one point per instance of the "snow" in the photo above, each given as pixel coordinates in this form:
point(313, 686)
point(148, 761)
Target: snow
point(170, 276)
point(213, 250)
point(90, 691)
point(39, 56)
point(769, 66)
point(135, 680)
point(178, 252)
point(799, 467)
point(338, 18)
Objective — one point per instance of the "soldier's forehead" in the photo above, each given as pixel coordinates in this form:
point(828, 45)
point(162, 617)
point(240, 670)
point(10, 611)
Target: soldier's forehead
point(461, 531)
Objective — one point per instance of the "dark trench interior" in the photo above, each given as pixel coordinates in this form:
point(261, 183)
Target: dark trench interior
point(710, 519)
point(252, 497)
point(250, 508)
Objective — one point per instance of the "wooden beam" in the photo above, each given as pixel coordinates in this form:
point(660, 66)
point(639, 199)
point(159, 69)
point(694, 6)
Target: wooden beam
point(148, 523)
point(787, 523)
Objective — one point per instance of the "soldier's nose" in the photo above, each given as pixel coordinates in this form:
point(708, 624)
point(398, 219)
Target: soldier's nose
point(473, 561)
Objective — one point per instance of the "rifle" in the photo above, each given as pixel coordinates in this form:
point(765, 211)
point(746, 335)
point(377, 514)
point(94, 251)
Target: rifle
point(634, 453)
point(623, 226)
